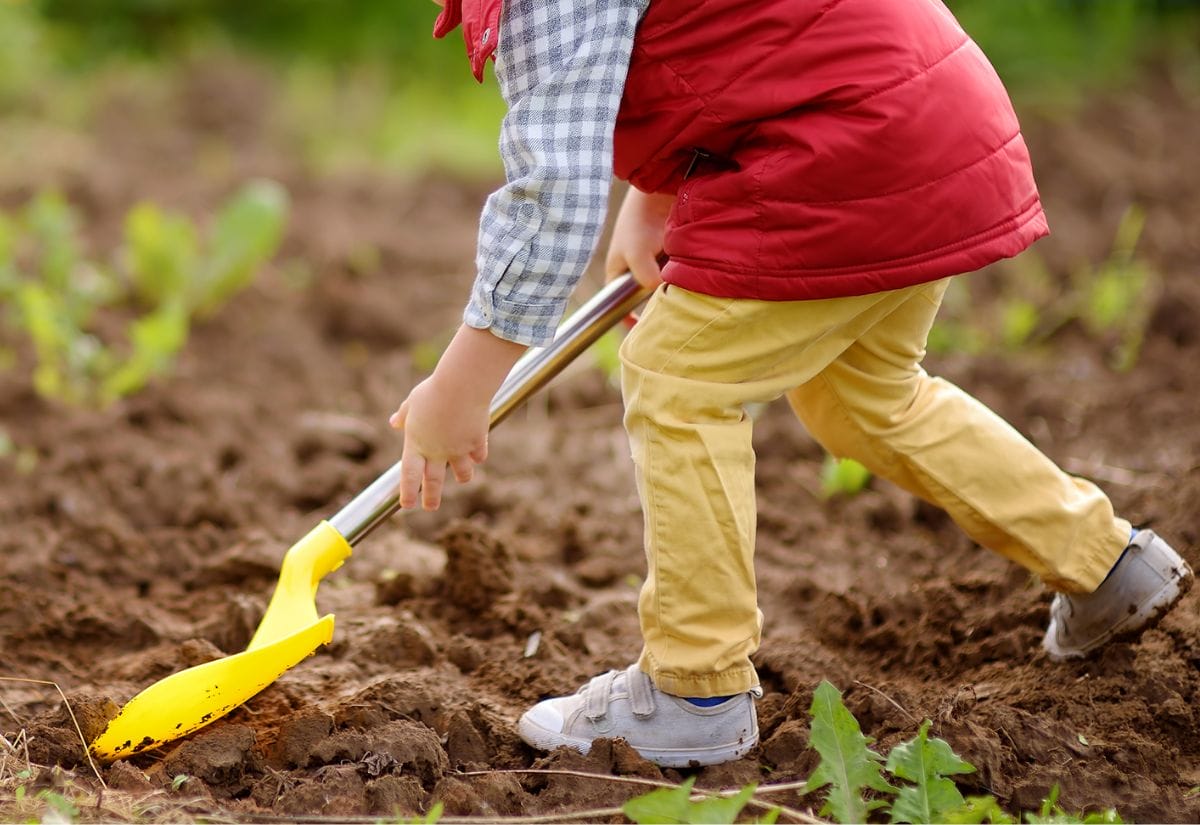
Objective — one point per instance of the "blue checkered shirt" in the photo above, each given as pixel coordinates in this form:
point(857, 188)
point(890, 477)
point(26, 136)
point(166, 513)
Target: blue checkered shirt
point(561, 65)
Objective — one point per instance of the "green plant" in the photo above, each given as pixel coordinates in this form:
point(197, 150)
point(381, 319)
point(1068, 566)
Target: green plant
point(164, 278)
point(680, 805)
point(925, 764)
point(167, 264)
point(1052, 812)
point(66, 810)
point(1116, 298)
point(852, 775)
point(432, 816)
point(606, 353)
point(848, 767)
point(1111, 301)
point(843, 476)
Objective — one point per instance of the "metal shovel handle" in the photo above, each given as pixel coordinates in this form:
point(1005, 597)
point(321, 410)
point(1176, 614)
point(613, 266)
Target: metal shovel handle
point(617, 299)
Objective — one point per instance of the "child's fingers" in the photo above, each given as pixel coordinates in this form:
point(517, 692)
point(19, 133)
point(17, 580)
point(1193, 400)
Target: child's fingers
point(412, 470)
point(479, 454)
point(432, 483)
point(397, 420)
point(464, 469)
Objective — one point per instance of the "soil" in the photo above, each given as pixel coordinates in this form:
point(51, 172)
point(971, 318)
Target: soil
point(146, 537)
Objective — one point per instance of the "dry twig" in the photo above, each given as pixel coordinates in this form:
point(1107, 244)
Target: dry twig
point(893, 702)
point(798, 816)
point(70, 712)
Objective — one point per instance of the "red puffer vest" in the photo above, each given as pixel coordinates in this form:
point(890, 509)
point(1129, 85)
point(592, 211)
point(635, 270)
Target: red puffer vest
point(817, 149)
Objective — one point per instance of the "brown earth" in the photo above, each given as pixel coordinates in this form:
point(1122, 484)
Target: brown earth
point(147, 537)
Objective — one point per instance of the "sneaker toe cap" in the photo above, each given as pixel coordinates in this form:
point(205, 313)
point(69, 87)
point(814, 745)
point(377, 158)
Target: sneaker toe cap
point(546, 716)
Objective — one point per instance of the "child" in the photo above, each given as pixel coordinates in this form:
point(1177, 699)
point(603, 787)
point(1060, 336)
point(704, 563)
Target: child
point(813, 173)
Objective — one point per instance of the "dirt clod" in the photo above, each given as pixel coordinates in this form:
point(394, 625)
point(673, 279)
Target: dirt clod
point(219, 756)
point(478, 566)
point(300, 735)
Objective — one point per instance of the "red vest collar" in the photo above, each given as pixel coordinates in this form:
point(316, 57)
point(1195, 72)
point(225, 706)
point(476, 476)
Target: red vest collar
point(480, 21)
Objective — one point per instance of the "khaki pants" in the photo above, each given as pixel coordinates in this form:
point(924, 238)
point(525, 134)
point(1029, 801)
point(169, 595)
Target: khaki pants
point(851, 370)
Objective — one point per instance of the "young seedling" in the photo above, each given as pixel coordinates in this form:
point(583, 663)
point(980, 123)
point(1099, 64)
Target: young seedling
point(843, 477)
point(164, 269)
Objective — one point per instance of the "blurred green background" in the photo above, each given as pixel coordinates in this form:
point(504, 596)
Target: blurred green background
point(384, 92)
point(108, 104)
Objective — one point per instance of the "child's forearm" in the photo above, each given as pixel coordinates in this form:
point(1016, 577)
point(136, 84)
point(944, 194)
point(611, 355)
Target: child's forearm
point(474, 365)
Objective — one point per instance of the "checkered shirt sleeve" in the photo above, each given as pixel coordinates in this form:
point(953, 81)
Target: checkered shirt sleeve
point(561, 66)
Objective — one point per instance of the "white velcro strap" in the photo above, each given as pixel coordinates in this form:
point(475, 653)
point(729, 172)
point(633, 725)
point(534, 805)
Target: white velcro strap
point(596, 695)
point(641, 692)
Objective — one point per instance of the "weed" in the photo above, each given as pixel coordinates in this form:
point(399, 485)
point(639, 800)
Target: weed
point(843, 476)
point(1116, 298)
point(926, 763)
point(848, 767)
point(58, 807)
point(162, 280)
point(855, 783)
point(680, 805)
point(1111, 301)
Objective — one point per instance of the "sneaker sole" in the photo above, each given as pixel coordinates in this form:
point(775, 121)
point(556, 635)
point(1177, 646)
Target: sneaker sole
point(543, 739)
point(1132, 626)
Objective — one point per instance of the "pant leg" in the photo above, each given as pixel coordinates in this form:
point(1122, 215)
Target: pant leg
point(875, 404)
point(688, 369)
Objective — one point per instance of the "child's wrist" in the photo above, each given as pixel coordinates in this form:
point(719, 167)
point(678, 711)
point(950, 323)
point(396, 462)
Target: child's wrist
point(474, 365)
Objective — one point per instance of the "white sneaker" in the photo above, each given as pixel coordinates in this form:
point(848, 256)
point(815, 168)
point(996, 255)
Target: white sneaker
point(1145, 583)
point(667, 730)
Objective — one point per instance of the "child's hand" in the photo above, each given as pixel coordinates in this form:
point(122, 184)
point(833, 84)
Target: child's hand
point(637, 238)
point(441, 428)
point(447, 416)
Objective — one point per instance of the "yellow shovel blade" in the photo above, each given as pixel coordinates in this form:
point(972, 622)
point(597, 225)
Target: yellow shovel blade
point(289, 632)
point(187, 701)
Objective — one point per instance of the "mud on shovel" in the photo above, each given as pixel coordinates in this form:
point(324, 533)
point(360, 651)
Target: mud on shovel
point(291, 629)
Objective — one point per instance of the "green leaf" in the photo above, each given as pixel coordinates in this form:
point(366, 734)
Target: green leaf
point(665, 805)
point(1051, 813)
point(722, 810)
point(1019, 318)
point(675, 805)
point(976, 810)
point(847, 766)
point(926, 762)
point(843, 476)
point(161, 253)
point(65, 808)
point(431, 817)
point(155, 339)
point(246, 233)
point(52, 223)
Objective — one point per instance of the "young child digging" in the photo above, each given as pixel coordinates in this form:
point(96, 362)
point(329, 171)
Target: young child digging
point(812, 173)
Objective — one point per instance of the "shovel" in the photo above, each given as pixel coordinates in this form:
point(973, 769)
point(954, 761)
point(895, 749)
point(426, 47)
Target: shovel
point(291, 629)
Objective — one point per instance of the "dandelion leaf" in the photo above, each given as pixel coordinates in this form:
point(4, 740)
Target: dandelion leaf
point(675, 805)
point(665, 805)
point(847, 766)
point(926, 763)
